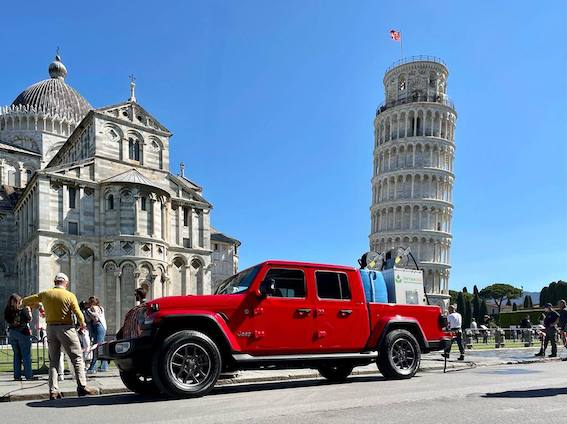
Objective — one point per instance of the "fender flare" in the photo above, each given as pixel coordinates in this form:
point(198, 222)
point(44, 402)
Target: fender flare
point(215, 319)
point(408, 322)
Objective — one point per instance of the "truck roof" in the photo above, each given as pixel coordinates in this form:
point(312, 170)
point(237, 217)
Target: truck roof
point(306, 264)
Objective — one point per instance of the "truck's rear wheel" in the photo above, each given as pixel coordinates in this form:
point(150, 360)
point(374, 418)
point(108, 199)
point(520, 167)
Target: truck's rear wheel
point(336, 373)
point(400, 355)
point(187, 364)
point(139, 383)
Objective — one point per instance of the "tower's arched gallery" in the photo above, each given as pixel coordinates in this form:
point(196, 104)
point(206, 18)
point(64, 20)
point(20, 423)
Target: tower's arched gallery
point(412, 181)
point(88, 192)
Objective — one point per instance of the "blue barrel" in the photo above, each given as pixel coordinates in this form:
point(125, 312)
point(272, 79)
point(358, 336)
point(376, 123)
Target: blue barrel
point(374, 286)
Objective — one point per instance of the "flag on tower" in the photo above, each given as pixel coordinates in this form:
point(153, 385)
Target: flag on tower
point(395, 35)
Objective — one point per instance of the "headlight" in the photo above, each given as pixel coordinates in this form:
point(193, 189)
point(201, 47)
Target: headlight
point(122, 347)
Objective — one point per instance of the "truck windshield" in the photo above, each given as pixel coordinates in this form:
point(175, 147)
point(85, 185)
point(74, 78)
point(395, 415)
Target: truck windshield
point(238, 283)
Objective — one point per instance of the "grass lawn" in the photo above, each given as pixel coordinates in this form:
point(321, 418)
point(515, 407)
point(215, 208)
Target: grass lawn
point(508, 345)
point(7, 358)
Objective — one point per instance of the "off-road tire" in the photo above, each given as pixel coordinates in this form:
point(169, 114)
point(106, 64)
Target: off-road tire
point(399, 355)
point(189, 355)
point(138, 383)
point(336, 373)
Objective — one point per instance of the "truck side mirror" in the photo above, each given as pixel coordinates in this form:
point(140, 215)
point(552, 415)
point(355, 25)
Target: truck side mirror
point(267, 287)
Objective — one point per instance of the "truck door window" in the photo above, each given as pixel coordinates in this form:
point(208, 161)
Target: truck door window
point(332, 285)
point(289, 282)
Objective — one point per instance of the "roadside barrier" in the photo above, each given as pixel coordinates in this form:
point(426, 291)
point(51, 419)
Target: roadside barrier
point(39, 355)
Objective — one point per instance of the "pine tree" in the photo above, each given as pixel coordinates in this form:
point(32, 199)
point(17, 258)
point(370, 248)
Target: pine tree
point(543, 299)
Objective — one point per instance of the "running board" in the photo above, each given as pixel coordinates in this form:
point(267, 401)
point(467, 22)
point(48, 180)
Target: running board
point(244, 357)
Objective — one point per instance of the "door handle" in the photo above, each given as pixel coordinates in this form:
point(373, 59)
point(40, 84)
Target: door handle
point(345, 312)
point(303, 311)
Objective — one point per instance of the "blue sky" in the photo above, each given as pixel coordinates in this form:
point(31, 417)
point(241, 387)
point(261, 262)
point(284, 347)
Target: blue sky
point(271, 104)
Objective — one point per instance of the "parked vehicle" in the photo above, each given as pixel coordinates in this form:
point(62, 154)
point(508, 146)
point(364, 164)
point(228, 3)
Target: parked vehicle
point(277, 314)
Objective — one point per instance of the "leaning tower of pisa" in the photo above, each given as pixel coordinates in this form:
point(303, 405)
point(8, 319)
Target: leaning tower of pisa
point(413, 177)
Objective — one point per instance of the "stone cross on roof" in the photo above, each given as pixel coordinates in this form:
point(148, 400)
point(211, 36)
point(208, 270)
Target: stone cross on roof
point(132, 88)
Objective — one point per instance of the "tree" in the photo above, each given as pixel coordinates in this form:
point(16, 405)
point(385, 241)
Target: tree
point(461, 303)
point(475, 290)
point(464, 290)
point(508, 302)
point(476, 308)
point(528, 304)
point(543, 296)
point(453, 295)
point(500, 292)
point(514, 306)
point(468, 314)
point(483, 309)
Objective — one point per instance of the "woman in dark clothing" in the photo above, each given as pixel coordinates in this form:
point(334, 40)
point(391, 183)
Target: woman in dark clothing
point(18, 319)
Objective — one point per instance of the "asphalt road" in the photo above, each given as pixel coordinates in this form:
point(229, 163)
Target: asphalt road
point(535, 393)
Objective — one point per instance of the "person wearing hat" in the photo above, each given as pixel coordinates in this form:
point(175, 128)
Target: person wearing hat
point(454, 324)
point(550, 331)
point(59, 305)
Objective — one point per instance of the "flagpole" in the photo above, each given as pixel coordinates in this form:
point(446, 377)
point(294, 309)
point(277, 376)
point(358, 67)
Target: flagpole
point(401, 45)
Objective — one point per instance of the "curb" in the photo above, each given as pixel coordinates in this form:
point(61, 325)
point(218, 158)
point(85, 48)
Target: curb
point(451, 366)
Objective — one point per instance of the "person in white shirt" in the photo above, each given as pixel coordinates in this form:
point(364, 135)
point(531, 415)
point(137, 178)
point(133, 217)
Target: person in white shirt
point(474, 328)
point(454, 324)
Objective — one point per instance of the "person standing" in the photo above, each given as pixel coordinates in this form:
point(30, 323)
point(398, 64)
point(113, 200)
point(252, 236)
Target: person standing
point(98, 325)
point(454, 324)
point(19, 335)
point(563, 323)
point(140, 293)
point(474, 329)
point(550, 331)
point(59, 305)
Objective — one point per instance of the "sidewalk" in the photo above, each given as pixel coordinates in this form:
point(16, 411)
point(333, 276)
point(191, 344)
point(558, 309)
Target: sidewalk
point(109, 382)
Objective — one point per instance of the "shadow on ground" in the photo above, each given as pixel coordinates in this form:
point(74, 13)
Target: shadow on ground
point(534, 393)
point(130, 398)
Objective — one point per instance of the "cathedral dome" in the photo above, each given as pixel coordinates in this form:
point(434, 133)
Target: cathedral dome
point(53, 96)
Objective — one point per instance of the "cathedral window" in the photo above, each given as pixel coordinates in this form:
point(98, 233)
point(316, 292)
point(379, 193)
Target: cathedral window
point(110, 203)
point(134, 149)
point(185, 217)
point(72, 197)
point(143, 204)
point(73, 228)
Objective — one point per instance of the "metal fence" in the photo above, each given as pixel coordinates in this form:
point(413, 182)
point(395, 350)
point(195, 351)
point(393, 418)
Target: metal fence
point(38, 355)
point(504, 337)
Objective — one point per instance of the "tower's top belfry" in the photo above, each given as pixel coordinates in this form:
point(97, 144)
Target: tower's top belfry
point(415, 79)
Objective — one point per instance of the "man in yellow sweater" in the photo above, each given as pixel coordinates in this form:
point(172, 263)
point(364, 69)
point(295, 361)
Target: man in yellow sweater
point(59, 304)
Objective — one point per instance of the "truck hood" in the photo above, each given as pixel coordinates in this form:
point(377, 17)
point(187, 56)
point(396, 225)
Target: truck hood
point(213, 302)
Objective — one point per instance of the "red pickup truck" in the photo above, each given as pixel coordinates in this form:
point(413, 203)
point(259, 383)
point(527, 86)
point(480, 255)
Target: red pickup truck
point(277, 314)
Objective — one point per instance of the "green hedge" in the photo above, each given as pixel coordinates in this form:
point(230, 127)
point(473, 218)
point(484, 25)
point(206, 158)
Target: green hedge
point(515, 317)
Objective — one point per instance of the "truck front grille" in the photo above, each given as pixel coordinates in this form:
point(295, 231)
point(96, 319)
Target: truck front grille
point(133, 322)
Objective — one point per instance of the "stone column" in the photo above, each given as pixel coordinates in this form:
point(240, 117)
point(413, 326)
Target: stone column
point(118, 313)
point(22, 175)
point(179, 225)
point(163, 222)
point(153, 208)
point(65, 189)
point(137, 215)
point(79, 202)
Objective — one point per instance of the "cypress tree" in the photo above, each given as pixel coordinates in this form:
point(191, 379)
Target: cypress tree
point(468, 314)
point(483, 309)
point(514, 306)
point(530, 302)
point(476, 308)
point(552, 293)
point(475, 290)
point(465, 290)
point(526, 302)
point(461, 304)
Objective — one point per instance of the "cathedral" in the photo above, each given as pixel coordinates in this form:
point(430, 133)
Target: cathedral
point(89, 192)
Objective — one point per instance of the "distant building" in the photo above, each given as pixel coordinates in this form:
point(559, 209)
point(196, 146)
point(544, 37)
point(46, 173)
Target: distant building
point(412, 183)
point(225, 256)
point(88, 192)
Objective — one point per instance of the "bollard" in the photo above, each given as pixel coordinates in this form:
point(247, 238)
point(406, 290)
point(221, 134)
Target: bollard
point(469, 338)
point(528, 337)
point(499, 338)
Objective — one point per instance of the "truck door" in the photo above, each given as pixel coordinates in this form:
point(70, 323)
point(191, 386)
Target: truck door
point(341, 315)
point(283, 321)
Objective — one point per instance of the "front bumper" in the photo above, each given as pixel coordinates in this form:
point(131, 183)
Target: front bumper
point(128, 354)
